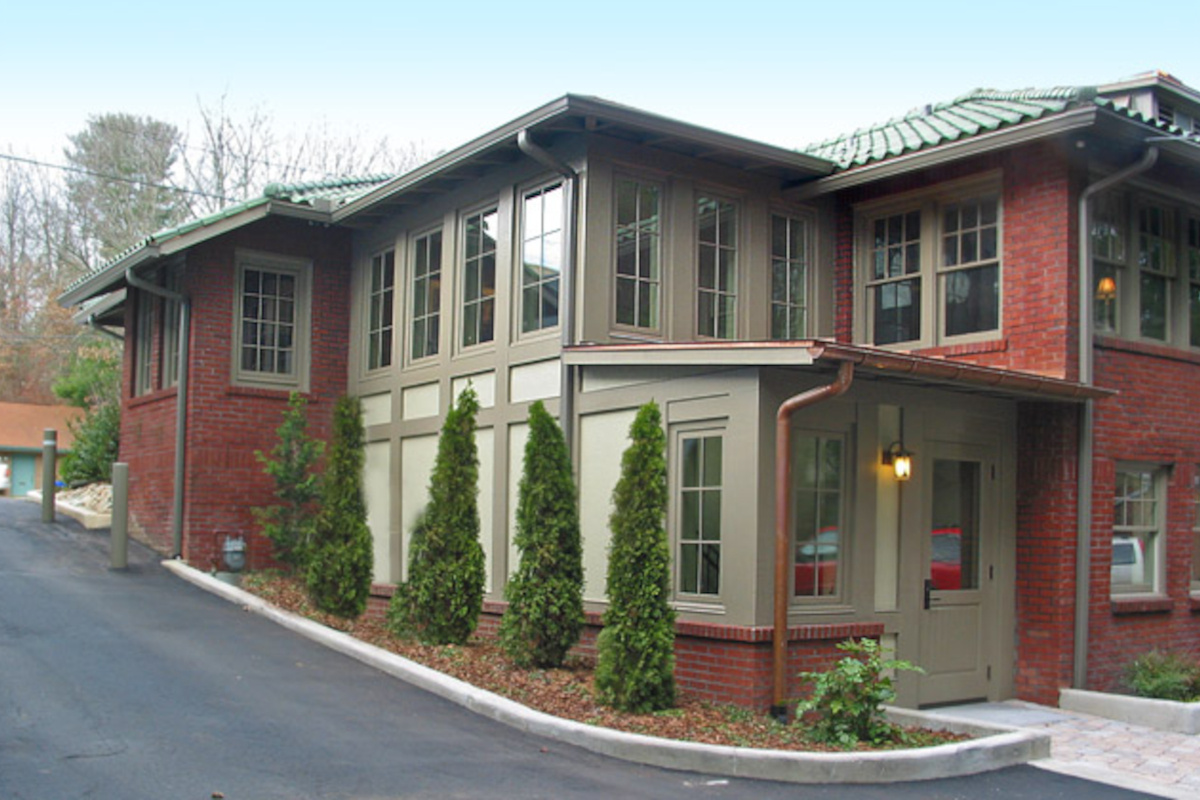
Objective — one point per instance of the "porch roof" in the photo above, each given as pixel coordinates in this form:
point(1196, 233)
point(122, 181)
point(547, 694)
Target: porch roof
point(882, 364)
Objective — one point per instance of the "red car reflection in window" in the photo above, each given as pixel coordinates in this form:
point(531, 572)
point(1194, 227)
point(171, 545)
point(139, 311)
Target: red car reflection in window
point(945, 563)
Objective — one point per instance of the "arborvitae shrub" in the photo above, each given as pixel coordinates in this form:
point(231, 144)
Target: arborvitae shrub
point(443, 596)
point(635, 667)
point(341, 559)
point(289, 523)
point(545, 595)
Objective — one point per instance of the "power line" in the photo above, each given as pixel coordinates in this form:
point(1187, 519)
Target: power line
point(119, 178)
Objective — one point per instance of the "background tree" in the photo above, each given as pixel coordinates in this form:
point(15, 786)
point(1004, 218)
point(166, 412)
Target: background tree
point(443, 596)
point(545, 596)
point(341, 560)
point(635, 666)
point(291, 465)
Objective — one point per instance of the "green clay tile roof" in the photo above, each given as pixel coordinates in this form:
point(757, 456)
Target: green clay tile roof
point(977, 112)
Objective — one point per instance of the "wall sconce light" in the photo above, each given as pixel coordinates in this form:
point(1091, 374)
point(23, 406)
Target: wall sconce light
point(899, 459)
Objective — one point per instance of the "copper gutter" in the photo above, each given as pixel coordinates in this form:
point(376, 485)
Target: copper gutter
point(783, 508)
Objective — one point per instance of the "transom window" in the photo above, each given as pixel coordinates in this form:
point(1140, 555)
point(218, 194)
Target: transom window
point(380, 321)
point(639, 235)
point(541, 257)
point(817, 515)
point(426, 294)
point(945, 249)
point(790, 255)
point(268, 320)
point(717, 250)
point(479, 278)
point(700, 515)
point(1137, 530)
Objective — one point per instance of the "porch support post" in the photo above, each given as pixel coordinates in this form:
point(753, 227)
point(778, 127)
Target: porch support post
point(783, 508)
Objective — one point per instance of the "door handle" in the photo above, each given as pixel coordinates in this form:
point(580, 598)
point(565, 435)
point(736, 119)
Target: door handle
point(928, 591)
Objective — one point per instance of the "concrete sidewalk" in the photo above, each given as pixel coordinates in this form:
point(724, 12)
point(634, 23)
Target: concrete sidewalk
point(1117, 753)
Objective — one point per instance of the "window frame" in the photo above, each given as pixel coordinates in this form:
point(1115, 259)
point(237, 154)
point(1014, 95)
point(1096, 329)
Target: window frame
point(1153, 553)
point(731, 292)
point(680, 489)
point(653, 284)
point(432, 313)
point(385, 332)
point(807, 280)
point(301, 270)
point(143, 371)
point(462, 260)
point(540, 188)
point(931, 271)
point(1169, 243)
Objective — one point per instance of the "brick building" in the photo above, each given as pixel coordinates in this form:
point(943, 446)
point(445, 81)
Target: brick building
point(972, 333)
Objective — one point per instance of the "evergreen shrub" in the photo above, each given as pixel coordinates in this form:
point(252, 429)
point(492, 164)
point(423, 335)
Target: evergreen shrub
point(291, 463)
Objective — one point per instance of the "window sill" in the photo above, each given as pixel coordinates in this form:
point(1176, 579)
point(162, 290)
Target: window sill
point(1145, 604)
point(1157, 349)
point(965, 349)
point(152, 397)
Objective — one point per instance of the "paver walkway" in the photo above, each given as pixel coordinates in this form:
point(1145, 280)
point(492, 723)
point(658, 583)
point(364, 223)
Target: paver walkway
point(1117, 753)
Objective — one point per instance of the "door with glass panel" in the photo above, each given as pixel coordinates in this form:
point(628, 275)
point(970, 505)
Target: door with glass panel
point(958, 594)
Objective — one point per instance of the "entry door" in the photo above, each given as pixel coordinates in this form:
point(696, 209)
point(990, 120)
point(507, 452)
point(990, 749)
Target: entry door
point(24, 469)
point(959, 555)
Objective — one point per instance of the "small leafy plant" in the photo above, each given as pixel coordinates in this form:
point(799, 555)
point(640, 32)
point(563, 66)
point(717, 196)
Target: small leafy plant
point(846, 702)
point(1165, 675)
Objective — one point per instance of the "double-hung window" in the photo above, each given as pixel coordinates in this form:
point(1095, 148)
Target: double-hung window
point(932, 271)
point(1138, 519)
point(1156, 264)
point(817, 485)
point(426, 290)
point(717, 271)
point(700, 514)
point(272, 321)
point(790, 257)
point(479, 278)
point(639, 236)
point(380, 315)
point(542, 220)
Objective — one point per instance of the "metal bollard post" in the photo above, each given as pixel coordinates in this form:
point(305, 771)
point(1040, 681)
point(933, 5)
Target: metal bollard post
point(120, 516)
point(49, 472)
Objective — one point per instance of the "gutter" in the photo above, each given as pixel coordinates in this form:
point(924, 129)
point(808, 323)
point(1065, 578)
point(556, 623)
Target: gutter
point(783, 519)
point(181, 397)
point(1086, 479)
point(566, 290)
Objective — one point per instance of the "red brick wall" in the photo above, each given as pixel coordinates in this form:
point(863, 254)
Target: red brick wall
point(227, 424)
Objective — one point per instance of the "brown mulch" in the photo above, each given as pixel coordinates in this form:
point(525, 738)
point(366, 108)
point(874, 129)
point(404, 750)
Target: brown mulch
point(567, 692)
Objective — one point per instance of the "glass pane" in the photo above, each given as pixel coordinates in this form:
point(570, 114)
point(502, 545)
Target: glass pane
point(471, 281)
point(831, 465)
point(531, 217)
point(648, 258)
point(727, 271)
point(1194, 306)
point(972, 300)
point(473, 236)
point(897, 312)
point(711, 515)
point(708, 268)
point(626, 254)
point(1154, 306)
point(710, 580)
point(706, 216)
point(269, 283)
point(726, 317)
point(250, 281)
point(690, 524)
point(649, 210)
point(552, 252)
point(470, 325)
point(970, 247)
point(954, 544)
point(691, 462)
point(487, 275)
point(626, 301)
point(779, 281)
point(950, 251)
point(530, 316)
point(728, 225)
point(706, 321)
point(648, 306)
point(626, 202)
point(987, 244)
point(689, 567)
point(712, 461)
point(553, 209)
point(550, 303)
point(779, 237)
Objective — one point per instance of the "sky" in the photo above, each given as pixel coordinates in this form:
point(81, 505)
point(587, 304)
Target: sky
point(440, 74)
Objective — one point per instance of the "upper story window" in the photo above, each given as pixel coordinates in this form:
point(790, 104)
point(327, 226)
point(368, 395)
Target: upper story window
point(479, 278)
point(932, 271)
point(700, 514)
point(639, 236)
point(542, 218)
point(1138, 539)
point(426, 290)
point(817, 470)
point(272, 320)
point(790, 257)
point(1151, 288)
point(380, 316)
point(717, 268)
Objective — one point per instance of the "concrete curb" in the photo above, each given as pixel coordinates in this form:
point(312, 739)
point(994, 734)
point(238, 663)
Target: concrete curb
point(92, 520)
point(1163, 715)
point(1002, 747)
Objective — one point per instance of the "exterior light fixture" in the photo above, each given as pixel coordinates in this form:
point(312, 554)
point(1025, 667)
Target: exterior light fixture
point(1106, 289)
point(899, 459)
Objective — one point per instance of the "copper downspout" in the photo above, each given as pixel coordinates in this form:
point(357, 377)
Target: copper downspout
point(783, 509)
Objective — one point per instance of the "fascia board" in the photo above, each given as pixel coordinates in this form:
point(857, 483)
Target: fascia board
point(966, 148)
point(108, 279)
point(732, 354)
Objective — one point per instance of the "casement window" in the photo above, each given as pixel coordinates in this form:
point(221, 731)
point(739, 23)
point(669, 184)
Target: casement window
point(932, 271)
point(479, 278)
point(426, 291)
point(1138, 538)
point(790, 256)
point(272, 319)
point(143, 343)
point(699, 540)
point(639, 240)
point(542, 231)
point(170, 330)
point(1196, 528)
point(1156, 262)
point(380, 316)
point(818, 498)
point(717, 267)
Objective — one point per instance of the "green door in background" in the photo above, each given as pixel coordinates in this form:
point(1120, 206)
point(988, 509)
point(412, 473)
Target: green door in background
point(23, 472)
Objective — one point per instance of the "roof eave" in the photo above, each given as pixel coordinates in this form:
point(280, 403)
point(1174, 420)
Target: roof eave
point(953, 151)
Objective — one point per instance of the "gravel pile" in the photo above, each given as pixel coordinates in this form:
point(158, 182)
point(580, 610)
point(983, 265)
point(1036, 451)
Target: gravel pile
point(94, 497)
